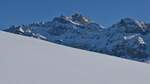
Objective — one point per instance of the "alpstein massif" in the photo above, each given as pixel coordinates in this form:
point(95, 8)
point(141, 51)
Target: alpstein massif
point(128, 38)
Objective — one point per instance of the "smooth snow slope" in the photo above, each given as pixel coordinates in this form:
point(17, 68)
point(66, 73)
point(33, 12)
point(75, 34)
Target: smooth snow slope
point(25, 60)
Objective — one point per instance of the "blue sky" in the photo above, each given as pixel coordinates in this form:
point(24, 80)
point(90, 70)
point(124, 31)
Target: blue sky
point(105, 12)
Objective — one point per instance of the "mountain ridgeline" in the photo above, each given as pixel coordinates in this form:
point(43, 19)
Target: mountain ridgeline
point(128, 38)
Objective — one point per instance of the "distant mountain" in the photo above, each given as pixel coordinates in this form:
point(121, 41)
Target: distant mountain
point(128, 38)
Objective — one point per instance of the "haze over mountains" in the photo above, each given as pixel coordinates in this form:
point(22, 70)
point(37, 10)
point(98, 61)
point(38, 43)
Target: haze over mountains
point(128, 38)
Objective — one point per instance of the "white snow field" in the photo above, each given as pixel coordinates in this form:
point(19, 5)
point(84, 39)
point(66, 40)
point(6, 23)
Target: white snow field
point(25, 60)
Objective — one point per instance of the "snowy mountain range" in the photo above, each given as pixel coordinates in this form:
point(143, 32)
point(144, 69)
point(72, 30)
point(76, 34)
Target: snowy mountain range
point(128, 38)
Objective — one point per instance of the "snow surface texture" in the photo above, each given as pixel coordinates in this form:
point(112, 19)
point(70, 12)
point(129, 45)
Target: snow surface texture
point(26, 60)
point(128, 38)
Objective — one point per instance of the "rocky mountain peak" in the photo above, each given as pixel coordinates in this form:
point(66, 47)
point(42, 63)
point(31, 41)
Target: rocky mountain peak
point(130, 25)
point(77, 17)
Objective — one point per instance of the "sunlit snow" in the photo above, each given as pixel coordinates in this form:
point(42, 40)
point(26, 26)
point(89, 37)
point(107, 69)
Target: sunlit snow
point(25, 60)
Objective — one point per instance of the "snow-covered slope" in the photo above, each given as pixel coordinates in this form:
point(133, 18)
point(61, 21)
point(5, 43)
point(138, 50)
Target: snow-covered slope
point(26, 60)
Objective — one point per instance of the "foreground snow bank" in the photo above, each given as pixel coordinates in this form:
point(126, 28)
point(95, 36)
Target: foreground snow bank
point(25, 60)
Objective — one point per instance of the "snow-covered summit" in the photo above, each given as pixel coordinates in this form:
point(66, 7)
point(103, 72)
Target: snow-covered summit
point(80, 19)
point(76, 19)
point(130, 25)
